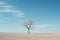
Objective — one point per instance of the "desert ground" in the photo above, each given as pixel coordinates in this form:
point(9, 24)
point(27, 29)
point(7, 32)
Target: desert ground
point(32, 36)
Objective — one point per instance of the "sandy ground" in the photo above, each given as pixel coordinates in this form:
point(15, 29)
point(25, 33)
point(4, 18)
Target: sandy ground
point(32, 36)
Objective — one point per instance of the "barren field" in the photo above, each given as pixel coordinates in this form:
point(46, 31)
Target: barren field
point(32, 36)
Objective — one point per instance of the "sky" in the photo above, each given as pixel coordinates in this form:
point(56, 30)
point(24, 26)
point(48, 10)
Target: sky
point(45, 13)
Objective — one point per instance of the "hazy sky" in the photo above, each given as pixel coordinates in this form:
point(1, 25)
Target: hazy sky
point(46, 15)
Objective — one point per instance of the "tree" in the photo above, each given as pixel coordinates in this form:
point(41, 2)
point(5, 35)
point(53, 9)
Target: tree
point(28, 24)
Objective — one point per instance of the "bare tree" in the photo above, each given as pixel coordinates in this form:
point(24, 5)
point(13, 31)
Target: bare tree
point(28, 24)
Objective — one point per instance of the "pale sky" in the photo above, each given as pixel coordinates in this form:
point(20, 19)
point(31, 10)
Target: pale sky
point(46, 15)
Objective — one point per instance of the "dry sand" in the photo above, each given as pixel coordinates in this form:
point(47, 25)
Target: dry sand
point(32, 36)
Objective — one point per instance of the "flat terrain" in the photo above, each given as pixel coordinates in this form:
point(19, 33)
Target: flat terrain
point(32, 36)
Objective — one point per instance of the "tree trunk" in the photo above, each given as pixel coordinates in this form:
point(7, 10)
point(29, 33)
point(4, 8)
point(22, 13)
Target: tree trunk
point(28, 31)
